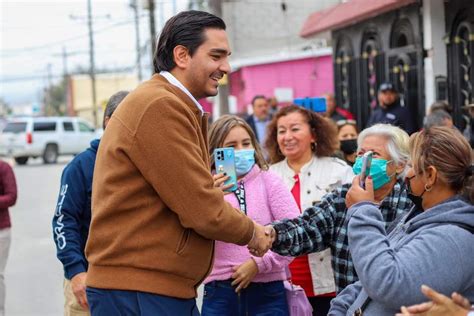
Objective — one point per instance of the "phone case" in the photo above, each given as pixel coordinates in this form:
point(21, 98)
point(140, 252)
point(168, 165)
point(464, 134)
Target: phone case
point(225, 162)
point(366, 163)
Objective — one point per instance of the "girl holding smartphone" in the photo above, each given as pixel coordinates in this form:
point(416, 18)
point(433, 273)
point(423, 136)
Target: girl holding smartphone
point(241, 284)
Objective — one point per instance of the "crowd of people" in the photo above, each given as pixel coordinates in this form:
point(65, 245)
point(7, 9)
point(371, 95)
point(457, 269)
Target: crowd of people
point(164, 219)
point(143, 217)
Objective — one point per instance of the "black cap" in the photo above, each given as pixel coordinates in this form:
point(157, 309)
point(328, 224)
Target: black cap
point(387, 86)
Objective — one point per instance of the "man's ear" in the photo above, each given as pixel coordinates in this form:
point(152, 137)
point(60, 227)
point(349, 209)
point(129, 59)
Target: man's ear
point(181, 56)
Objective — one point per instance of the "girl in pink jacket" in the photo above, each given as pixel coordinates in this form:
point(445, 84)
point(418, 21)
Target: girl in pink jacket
point(241, 284)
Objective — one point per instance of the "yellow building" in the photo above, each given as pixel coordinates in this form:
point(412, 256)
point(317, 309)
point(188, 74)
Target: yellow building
point(80, 93)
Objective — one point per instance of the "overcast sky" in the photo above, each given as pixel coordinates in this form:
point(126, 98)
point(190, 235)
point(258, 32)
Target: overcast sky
point(34, 32)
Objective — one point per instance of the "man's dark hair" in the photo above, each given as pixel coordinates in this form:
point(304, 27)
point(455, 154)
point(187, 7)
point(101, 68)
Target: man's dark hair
point(441, 105)
point(259, 96)
point(186, 29)
point(114, 101)
point(437, 118)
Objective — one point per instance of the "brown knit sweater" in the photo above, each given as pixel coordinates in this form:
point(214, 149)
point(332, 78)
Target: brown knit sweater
point(155, 212)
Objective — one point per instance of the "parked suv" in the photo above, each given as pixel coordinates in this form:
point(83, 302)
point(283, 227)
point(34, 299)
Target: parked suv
point(46, 137)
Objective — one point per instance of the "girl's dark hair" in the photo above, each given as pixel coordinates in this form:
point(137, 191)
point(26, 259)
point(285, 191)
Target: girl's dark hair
point(324, 131)
point(449, 152)
point(187, 29)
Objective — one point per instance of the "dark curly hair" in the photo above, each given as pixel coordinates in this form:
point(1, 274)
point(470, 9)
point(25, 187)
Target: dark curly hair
point(324, 131)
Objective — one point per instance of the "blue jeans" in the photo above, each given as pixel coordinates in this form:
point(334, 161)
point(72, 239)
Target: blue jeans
point(133, 303)
point(260, 299)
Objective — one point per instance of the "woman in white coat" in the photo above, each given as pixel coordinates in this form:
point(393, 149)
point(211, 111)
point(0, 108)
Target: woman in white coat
point(300, 144)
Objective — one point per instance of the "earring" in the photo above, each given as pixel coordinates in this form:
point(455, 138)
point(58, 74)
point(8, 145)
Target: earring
point(428, 189)
point(313, 146)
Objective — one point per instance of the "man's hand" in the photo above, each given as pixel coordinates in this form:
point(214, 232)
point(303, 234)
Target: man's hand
point(440, 305)
point(357, 193)
point(262, 240)
point(78, 286)
point(244, 274)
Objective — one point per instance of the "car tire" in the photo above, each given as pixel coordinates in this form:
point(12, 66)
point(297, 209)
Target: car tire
point(21, 160)
point(50, 154)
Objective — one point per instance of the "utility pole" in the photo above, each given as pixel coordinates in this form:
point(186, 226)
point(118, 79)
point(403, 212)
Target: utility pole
point(151, 8)
point(47, 106)
point(66, 81)
point(174, 7)
point(134, 6)
point(162, 15)
point(92, 65)
point(64, 62)
point(215, 7)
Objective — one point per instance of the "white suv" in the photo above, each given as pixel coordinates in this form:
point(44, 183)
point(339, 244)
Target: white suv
point(46, 137)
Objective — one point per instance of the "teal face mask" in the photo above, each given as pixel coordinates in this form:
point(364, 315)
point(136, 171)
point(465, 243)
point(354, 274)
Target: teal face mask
point(378, 171)
point(244, 161)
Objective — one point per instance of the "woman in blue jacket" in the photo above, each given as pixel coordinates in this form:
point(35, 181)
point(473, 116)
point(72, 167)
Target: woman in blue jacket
point(433, 244)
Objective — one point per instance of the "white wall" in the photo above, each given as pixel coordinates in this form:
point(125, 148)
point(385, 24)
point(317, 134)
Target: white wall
point(433, 33)
point(261, 27)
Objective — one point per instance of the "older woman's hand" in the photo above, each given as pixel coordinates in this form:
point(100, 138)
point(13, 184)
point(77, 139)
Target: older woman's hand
point(358, 194)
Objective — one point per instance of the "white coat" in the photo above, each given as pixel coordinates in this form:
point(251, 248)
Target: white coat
point(319, 176)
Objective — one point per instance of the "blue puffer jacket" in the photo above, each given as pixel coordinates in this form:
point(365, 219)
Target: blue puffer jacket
point(72, 216)
point(433, 248)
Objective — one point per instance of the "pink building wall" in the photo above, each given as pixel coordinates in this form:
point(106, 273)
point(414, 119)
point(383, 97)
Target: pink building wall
point(308, 77)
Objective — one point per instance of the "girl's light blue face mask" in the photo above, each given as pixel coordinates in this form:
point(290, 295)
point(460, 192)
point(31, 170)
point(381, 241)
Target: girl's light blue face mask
point(378, 171)
point(244, 161)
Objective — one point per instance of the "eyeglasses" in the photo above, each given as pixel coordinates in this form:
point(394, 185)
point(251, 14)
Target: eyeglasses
point(346, 122)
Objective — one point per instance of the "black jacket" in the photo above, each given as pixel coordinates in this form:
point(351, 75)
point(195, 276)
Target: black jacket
point(396, 115)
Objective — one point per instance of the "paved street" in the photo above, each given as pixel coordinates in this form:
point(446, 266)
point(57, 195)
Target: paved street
point(33, 274)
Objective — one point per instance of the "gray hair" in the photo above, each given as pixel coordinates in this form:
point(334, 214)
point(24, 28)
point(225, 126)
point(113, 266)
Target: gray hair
point(113, 103)
point(437, 118)
point(397, 143)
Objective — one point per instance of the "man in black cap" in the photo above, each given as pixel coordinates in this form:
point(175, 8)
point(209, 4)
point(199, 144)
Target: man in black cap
point(390, 111)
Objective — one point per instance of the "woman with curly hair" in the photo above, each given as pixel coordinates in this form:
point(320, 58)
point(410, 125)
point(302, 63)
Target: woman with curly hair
point(300, 144)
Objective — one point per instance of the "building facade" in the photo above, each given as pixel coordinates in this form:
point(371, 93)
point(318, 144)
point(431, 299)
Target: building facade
point(424, 47)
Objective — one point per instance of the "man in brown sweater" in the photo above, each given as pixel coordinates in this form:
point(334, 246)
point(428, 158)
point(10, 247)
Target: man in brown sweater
point(155, 210)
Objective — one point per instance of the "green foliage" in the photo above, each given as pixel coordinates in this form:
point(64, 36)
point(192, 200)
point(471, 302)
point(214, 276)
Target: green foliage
point(5, 109)
point(55, 99)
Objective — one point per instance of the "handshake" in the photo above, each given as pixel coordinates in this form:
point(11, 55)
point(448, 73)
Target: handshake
point(262, 240)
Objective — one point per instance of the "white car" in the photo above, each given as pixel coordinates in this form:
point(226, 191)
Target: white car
point(46, 137)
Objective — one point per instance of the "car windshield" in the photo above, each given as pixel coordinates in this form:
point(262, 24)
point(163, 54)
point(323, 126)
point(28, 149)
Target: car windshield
point(15, 127)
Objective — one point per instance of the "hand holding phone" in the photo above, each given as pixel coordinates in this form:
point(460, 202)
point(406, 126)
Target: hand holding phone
point(365, 171)
point(225, 163)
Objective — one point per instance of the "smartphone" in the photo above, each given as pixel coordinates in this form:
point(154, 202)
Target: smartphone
point(225, 162)
point(317, 105)
point(365, 171)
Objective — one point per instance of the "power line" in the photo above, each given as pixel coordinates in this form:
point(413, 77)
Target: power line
point(60, 42)
point(127, 69)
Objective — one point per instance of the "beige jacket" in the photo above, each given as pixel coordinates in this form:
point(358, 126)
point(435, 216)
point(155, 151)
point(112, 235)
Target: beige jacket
point(319, 176)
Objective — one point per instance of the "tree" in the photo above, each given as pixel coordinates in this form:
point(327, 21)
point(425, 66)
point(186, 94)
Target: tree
point(55, 99)
point(201, 5)
point(4, 108)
